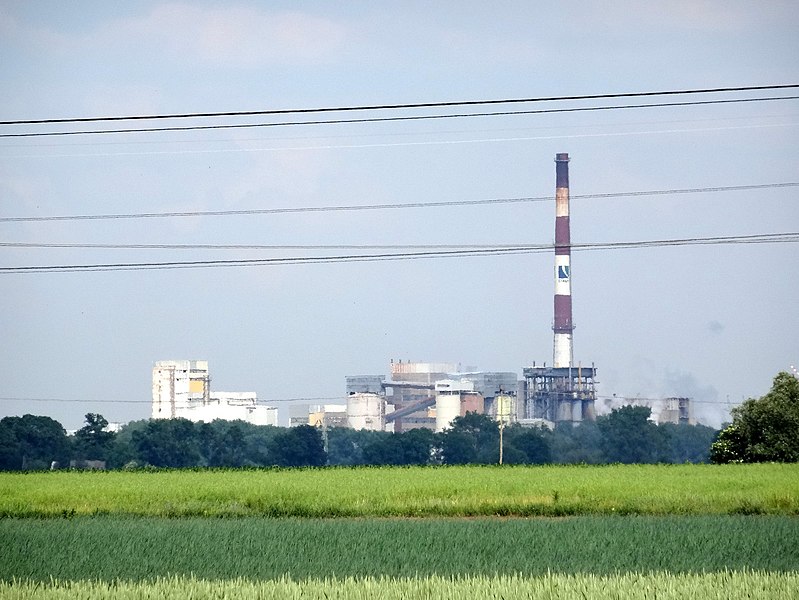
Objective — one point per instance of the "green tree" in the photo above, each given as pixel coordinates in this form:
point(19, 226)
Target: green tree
point(473, 438)
point(418, 446)
point(33, 442)
point(764, 429)
point(167, 443)
point(222, 443)
point(300, 446)
point(628, 436)
point(345, 446)
point(123, 452)
point(687, 443)
point(577, 445)
point(10, 451)
point(527, 445)
point(92, 441)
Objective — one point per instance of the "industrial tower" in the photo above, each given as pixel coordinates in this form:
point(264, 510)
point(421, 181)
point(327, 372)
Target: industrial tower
point(563, 392)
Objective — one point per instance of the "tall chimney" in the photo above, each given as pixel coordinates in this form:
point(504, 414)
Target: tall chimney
point(563, 326)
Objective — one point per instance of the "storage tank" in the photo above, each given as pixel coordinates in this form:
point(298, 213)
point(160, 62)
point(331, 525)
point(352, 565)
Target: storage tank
point(448, 401)
point(505, 408)
point(366, 411)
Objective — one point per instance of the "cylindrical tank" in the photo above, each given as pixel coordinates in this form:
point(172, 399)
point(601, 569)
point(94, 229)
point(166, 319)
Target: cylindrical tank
point(448, 406)
point(505, 408)
point(366, 411)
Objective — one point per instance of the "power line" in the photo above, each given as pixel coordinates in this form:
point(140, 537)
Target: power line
point(403, 106)
point(483, 140)
point(792, 237)
point(251, 246)
point(389, 119)
point(761, 238)
point(400, 205)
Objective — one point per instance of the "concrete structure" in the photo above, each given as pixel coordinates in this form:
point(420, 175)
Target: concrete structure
point(298, 414)
point(504, 408)
point(489, 384)
point(371, 384)
point(674, 410)
point(179, 385)
point(450, 395)
point(366, 410)
point(326, 416)
point(232, 406)
point(182, 389)
point(412, 392)
point(563, 392)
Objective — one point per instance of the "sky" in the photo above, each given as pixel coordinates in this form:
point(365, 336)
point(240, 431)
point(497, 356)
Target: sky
point(712, 322)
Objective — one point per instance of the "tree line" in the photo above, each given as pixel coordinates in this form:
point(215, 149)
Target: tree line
point(626, 435)
point(764, 429)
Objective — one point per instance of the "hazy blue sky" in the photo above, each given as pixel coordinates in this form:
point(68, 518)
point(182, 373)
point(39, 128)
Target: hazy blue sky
point(712, 322)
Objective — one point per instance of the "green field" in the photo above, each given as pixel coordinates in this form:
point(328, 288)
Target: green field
point(619, 531)
point(143, 548)
point(664, 586)
point(410, 492)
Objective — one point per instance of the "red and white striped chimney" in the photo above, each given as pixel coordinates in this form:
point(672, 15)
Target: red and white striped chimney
point(563, 327)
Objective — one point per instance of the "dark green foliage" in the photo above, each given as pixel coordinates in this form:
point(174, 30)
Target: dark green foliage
point(687, 443)
point(623, 436)
point(92, 441)
point(32, 442)
point(628, 436)
point(351, 447)
point(527, 445)
point(763, 430)
point(472, 439)
point(300, 446)
point(167, 443)
point(577, 445)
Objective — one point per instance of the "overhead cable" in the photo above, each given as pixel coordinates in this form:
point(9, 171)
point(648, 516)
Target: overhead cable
point(792, 237)
point(403, 106)
point(388, 119)
point(399, 205)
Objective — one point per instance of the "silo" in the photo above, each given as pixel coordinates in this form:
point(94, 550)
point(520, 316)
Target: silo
point(366, 411)
point(448, 401)
point(505, 407)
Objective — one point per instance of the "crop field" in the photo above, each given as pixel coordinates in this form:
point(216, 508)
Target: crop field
point(687, 531)
point(410, 492)
point(665, 586)
point(142, 548)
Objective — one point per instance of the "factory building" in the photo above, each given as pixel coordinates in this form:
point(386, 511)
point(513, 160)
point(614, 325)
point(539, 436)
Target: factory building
point(367, 410)
point(454, 398)
point(412, 394)
point(182, 389)
point(178, 385)
point(326, 416)
point(411, 399)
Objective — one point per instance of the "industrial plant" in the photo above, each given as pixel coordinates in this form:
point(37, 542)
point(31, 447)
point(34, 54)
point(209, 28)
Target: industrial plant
point(428, 394)
point(182, 389)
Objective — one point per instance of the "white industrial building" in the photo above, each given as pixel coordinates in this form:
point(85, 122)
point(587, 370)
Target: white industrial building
point(182, 389)
point(450, 397)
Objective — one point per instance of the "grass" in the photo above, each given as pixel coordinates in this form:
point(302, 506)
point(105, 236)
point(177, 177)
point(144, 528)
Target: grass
point(410, 492)
point(144, 548)
point(665, 586)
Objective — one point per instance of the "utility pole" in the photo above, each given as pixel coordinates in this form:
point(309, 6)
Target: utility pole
point(501, 427)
